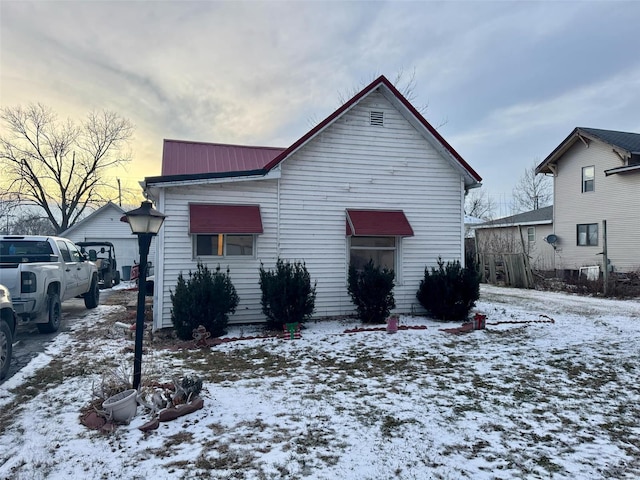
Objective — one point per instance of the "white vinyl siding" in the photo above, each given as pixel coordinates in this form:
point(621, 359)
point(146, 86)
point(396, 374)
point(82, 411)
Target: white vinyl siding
point(350, 165)
point(178, 243)
point(355, 165)
point(615, 199)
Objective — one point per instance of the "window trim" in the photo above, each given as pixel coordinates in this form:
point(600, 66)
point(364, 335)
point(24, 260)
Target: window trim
point(531, 230)
point(587, 236)
point(591, 179)
point(397, 253)
point(194, 245)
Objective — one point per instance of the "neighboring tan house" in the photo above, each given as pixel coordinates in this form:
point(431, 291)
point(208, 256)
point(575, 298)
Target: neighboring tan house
point(104, 224)
point(372, 180)
point(524, 232)
point(596, 179)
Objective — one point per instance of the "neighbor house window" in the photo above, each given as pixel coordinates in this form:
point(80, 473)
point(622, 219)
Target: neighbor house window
point(531, 234)
point(382, 250)
point(224, 245)
point(588, 234)
point(588, 179)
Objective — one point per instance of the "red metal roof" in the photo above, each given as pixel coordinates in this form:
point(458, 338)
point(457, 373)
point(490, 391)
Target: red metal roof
point(218, 218)
point(186, 158)
point(378, 223)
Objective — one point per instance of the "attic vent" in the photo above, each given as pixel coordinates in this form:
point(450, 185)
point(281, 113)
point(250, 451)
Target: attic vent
point(376, 118)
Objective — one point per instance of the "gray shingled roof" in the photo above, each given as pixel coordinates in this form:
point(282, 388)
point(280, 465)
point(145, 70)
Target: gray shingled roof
point(541, 215)
point(626, 140)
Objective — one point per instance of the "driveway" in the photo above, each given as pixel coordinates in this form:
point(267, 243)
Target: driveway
point(29, 342)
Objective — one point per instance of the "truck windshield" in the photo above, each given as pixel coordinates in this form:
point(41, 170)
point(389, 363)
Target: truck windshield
point(24, 247)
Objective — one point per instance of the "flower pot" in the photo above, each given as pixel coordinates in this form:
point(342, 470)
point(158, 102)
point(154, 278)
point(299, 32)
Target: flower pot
point(122, 406)
point(392, 324)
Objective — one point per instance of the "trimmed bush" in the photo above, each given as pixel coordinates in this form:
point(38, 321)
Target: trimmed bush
point(287, 294)
point(205, 298)
point(371, 291)
point(450, 291)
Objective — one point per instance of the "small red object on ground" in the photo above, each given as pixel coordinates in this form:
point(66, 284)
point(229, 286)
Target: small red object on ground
point(479, 321)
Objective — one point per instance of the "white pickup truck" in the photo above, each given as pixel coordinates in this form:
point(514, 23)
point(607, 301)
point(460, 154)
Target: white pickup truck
point(41, 272)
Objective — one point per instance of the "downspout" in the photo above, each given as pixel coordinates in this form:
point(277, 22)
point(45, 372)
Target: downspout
point(158, 287)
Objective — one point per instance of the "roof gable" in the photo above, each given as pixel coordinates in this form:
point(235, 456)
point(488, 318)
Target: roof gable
point(406, 109)
point(89, 218)
point(186, 161)
point(625, 144)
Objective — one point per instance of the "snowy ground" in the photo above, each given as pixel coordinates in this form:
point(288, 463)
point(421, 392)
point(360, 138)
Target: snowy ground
point(518, 400)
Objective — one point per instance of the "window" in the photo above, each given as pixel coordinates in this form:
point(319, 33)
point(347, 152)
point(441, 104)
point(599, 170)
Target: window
point(224, 245)
point(64, 251)
point(531, 234)
point(381, 249)
point(588, 179)
point(76, 256)
point(588, 234)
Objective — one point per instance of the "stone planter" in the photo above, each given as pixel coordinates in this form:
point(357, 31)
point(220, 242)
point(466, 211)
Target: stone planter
point(122, 406)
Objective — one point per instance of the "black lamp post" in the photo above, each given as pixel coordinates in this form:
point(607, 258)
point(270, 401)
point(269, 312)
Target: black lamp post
point(145, 222)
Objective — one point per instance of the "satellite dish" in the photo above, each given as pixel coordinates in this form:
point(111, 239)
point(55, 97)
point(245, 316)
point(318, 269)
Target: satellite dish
point(551, 239)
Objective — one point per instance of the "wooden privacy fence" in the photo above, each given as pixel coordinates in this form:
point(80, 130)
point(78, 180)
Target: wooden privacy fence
point(509, 269)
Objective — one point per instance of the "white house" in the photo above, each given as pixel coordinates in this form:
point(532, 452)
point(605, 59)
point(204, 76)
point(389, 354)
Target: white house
point(372, 180)
point(524, 232)
point(596, 181)
point(104, 224)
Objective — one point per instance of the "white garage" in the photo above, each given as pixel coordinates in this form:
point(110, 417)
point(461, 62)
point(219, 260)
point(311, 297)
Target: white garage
point(104, 225)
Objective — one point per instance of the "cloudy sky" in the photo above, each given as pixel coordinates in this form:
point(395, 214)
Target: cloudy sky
point(505, 82)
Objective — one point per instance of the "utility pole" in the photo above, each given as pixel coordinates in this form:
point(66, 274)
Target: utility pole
point(119, 193)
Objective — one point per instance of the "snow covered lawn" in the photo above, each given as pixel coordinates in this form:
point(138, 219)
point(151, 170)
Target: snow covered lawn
point(518, 400)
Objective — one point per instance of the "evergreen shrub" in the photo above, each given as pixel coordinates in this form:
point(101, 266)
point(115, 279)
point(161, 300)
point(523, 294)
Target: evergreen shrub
point(287, 294)
point(449, 292)
point(205, 298)
point(371, 291)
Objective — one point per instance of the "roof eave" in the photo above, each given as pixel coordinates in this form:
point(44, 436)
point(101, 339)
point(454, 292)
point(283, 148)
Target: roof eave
point(546, 165)
point(207, 178)
point(514, 224)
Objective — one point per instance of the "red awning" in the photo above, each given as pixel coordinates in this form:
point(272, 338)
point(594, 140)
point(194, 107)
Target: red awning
point(238, 219)
point(378, 223)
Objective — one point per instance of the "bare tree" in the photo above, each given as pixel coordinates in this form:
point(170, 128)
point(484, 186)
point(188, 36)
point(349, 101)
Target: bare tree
point(479, 204)
point(532, 191)
point(403, 81)
point(7, 206)
point(29, 223)
point(60, 166)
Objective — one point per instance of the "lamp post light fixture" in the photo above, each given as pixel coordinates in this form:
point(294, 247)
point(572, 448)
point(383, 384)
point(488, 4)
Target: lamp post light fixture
point(145, 222)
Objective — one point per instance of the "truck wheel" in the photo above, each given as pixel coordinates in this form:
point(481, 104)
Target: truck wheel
point(92, 297)
point(108, 281)
point(55, 315)
point(117, 280)
point(6, 346)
